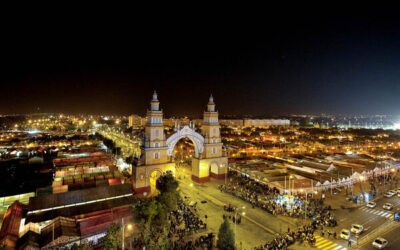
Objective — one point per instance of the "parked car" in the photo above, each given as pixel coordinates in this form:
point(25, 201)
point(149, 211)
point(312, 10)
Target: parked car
point(389, 194)
point(357, 228)
point(371, 204)
point(398, 190)
point(387, 206)
point(380, 243)
point(345, 234)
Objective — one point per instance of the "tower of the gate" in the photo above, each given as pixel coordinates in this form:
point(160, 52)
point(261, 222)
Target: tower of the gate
point(212, 161)
point(154, 157)
point(154, 148)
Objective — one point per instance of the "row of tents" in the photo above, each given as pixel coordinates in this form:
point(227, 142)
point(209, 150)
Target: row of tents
point(354, 178)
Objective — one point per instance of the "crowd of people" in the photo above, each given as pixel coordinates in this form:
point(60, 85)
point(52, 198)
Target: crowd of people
point(202, 242)
point(231, 215)
point(267, 198)
point(185, 221)
point(303, 235)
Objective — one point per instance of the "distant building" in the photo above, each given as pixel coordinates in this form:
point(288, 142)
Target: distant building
point(249, 122)
point(231, 122)
point(265, 122)
point(135, 121)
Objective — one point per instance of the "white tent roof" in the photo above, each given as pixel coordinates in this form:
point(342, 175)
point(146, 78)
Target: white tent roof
point(355, 175)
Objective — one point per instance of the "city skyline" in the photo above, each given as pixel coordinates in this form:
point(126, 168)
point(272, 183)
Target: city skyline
point(338, 65)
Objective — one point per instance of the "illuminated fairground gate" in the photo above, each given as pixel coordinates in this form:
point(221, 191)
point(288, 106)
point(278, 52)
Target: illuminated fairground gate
point(208, 161)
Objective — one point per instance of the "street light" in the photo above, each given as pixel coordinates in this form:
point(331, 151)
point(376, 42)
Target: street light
point(291, 190)
point(236, 212)
point(129, 227)
point(305, 206)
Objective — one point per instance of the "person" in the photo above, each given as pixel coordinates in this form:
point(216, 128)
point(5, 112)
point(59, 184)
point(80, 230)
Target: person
point(349, 243)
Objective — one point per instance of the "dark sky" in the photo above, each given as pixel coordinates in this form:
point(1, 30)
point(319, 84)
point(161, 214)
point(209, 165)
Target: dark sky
point(338, 64)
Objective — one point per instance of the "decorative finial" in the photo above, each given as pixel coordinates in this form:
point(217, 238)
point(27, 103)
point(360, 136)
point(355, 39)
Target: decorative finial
point(155, 96)
point(211, 100)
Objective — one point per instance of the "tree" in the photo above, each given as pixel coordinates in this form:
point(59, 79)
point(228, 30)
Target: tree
point(82, 246)
point(113, 238)
point(167, 183)
point(226, 238)
point(168, 197)
point(152, 215)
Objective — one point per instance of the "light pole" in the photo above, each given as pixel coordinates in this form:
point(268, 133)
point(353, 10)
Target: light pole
point(129, 226)
point(305, 204)
point(361, 184)
point(243, 213)
point(191, 185)
point(226, 173)
point(291, 190)
point(123, 234)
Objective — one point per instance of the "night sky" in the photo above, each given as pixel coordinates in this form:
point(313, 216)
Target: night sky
point(265, 67)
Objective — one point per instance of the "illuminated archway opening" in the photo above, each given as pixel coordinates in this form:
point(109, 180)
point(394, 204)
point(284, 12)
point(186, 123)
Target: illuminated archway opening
point(155, 174)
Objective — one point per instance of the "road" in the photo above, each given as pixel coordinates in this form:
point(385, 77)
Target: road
point(376, 222)
point(257, 225)
point(128, 146)
point(379, 223)
point(392, 236)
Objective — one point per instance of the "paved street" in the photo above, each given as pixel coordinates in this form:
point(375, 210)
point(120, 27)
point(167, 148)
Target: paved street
point(392, 237)
point(376, 221)
point(128, 146)
point(257, 226)
point(260, 226)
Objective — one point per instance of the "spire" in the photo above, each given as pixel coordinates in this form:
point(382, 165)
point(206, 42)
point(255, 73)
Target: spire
point(155, 99)
point(155, 104)
point(211, 100)
point(211, 104)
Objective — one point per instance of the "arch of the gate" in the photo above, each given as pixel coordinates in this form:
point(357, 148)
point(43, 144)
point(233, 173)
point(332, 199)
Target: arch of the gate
point(186, 132)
